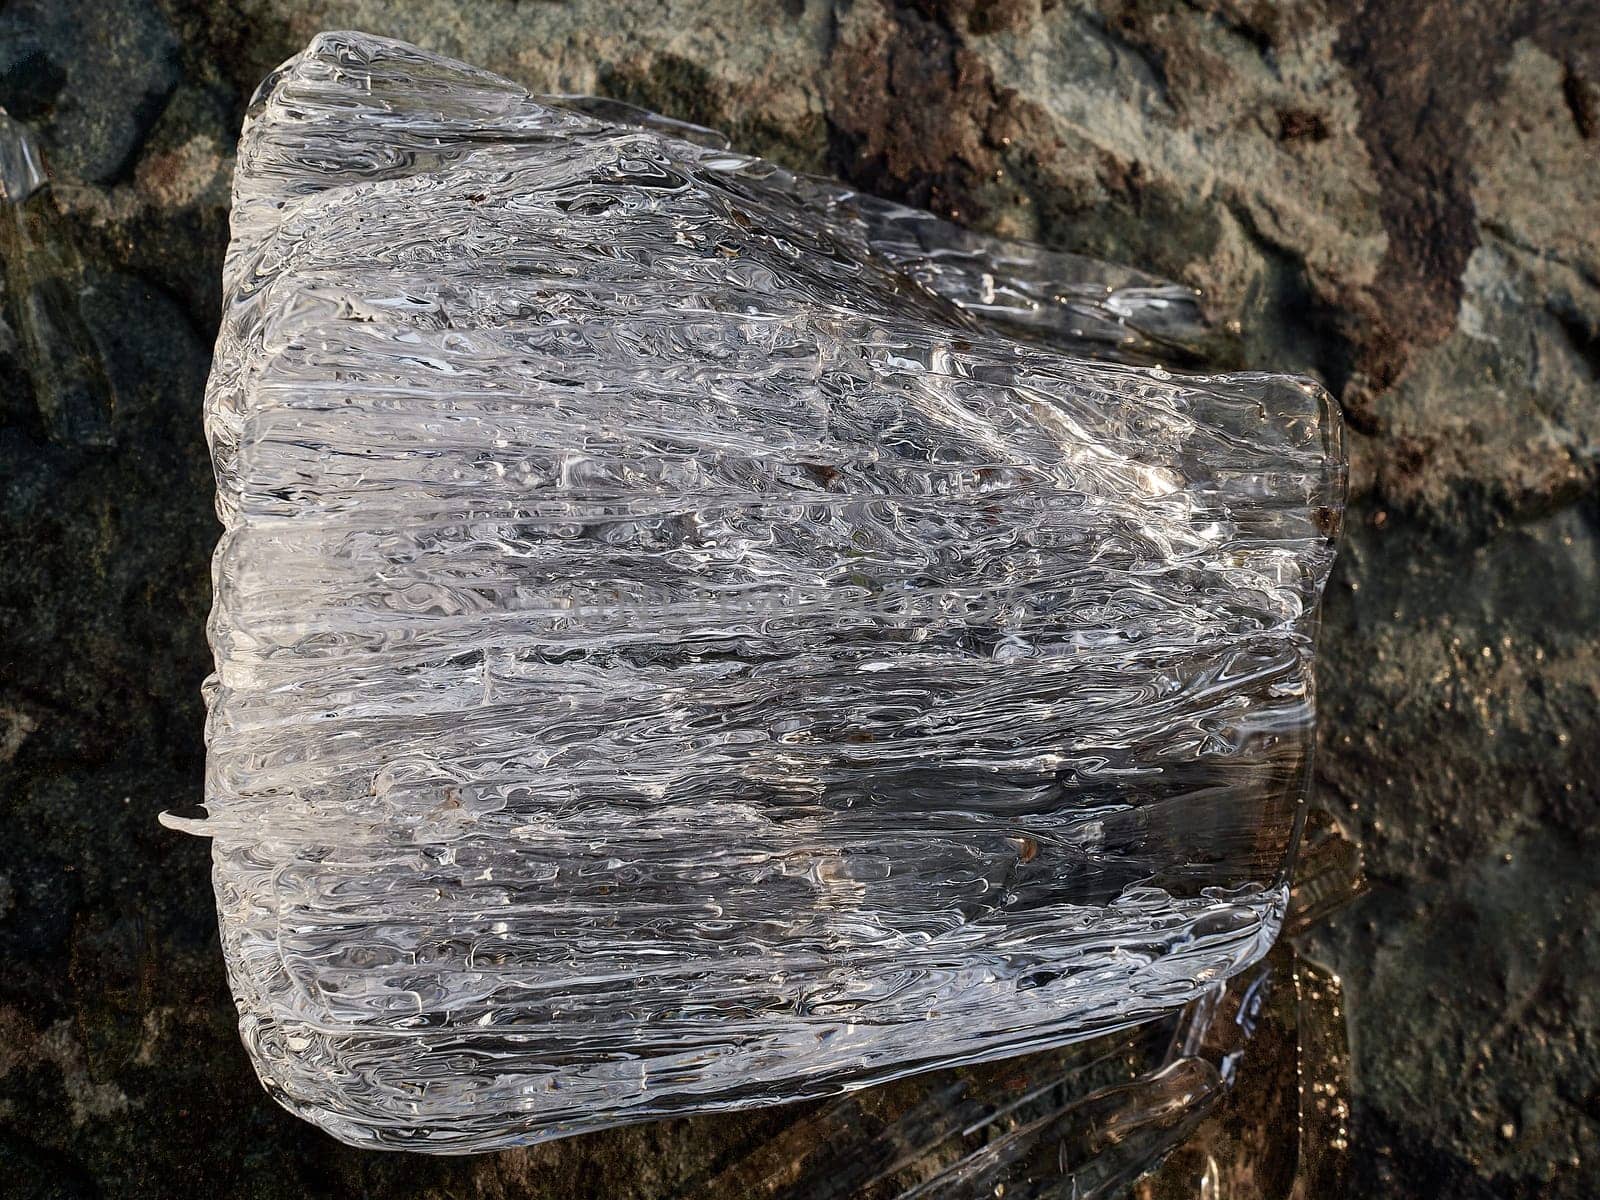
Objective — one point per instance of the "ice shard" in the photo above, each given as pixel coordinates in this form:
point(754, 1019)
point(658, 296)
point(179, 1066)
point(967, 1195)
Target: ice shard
point(691, 636)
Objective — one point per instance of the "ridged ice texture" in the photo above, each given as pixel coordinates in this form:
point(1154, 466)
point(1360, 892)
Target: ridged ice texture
point(691, 636)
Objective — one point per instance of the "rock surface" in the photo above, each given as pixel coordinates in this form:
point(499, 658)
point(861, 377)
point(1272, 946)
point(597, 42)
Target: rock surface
point(1403, 198)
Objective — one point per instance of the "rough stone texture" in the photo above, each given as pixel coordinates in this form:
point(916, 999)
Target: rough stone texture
point(1401, 196)
point(94, 74)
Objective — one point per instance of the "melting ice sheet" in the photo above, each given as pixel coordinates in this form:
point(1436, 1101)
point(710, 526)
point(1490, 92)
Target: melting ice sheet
point(692, 636)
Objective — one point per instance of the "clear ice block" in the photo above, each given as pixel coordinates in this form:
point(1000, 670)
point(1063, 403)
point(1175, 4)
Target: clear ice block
point(691, 636)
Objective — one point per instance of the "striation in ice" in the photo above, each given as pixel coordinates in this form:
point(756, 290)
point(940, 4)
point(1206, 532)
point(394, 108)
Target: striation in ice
point(689, 635)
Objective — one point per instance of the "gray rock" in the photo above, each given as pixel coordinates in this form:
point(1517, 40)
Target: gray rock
point(91, 75)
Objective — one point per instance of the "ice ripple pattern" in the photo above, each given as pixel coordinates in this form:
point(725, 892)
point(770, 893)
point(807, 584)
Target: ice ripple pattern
point(690, 636)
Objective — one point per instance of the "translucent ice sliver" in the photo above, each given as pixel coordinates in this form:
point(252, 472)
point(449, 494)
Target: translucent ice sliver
point(691, 636)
